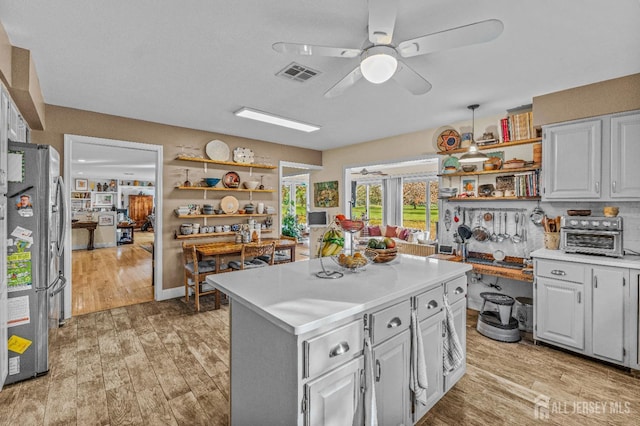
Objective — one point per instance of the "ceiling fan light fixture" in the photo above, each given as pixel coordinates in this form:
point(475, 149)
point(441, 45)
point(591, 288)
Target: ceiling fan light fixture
point(473, 154)
point(378, 64)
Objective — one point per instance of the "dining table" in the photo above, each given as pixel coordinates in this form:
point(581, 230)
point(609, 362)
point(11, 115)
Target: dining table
point(230, 248)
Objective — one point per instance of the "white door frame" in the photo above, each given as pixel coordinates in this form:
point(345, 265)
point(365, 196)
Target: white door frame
point(308, 167)
point(158, 150)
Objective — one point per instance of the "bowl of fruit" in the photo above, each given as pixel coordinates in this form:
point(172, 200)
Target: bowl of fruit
point(355, 262)
point(349, 225)
point(382, 251)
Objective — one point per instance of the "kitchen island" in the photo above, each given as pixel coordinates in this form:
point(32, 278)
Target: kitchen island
point(297, 341)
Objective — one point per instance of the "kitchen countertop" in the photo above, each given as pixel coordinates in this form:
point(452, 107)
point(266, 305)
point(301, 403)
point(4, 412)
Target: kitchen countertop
point(292, 297)
point(627, 261)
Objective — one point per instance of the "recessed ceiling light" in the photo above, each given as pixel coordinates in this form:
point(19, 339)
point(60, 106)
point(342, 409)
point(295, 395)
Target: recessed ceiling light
point(274, 119)
point(128, 173)
point(80, 173)
point(81, 160)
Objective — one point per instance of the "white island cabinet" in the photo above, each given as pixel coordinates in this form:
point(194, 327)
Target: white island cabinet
point(297, 341)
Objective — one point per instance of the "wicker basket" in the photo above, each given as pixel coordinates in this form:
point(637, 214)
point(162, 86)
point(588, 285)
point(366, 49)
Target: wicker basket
point(383, 255)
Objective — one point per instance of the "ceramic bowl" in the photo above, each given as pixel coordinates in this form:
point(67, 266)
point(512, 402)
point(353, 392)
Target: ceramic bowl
point(251, 184)
point(211, 182)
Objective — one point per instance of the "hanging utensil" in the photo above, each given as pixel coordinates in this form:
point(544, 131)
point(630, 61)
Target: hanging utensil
point(500, 234)
point(506, 226)
point(447, 219)
point(488, 217)
point(494, 236)
point(463, 230)
point(456, 219)
point(537, 215)
point(516, 237)
point(480, 233)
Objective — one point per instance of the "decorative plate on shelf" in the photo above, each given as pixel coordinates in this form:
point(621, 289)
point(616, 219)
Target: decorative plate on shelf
point(217, 150)
point(243, 155)
point(229, 204)
point(448, 140)
point(231, 180)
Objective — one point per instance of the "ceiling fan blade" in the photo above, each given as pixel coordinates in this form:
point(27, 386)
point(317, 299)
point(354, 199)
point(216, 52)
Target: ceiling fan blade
point(309, 49)
point(382, 20)
point(411, 80)
point(348, 81)
point(465, 35)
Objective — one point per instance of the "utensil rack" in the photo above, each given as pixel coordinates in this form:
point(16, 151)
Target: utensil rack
point(492, 209)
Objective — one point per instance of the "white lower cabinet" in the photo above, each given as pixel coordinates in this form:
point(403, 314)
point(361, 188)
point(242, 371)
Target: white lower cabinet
point(607, 319)
point(393, 398)
point(332, 398)
point(560, 312)
point(634, 329)
point(597, 316)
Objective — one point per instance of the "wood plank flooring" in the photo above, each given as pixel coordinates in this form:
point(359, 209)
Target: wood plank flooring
point(112, 277)
point(161, 363)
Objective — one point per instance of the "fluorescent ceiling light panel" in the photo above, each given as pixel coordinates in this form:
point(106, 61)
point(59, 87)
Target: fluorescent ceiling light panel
point(274, 119)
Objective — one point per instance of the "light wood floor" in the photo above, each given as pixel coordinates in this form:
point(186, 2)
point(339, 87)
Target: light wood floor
point(112, 277)
point(160, 363)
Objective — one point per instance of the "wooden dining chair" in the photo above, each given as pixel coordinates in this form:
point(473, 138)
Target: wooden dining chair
point(255, 255)
point(284, 256)
point(195, 272)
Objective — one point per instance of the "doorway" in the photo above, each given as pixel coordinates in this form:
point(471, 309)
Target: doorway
point(109, 181)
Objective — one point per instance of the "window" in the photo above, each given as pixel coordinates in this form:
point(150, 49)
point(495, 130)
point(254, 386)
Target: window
point(368, 202)
point(294, 198)
point(420, 204)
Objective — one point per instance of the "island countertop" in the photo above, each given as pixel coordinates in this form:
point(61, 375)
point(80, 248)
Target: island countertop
point(292, 297)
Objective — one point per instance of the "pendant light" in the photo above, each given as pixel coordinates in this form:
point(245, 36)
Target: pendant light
point(473, 155)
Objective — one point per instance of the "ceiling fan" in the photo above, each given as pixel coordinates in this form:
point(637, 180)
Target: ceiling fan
point(379, 57)
point(365, 172)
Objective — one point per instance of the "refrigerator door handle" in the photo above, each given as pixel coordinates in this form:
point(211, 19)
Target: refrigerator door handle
point(61, 200)
point(60, 279)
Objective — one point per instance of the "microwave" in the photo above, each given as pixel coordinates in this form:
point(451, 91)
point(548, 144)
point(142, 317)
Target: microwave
point(317, 218)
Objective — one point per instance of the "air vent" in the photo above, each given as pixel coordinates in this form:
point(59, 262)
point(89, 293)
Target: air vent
point(297, 72)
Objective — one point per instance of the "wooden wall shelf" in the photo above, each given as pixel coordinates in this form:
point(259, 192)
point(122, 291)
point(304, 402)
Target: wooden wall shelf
point(494, 146)
point(222, 216)
point(493, 172)
point(465, 199)
point(208, 188)
point(225, 163)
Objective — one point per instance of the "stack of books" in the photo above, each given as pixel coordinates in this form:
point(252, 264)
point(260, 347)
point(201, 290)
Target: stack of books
point(518, 125)
point(527, 184)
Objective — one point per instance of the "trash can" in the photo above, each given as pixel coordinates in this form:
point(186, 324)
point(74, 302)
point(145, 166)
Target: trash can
point(524, 313)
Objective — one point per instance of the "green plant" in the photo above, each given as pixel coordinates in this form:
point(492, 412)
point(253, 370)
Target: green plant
point(290, 226)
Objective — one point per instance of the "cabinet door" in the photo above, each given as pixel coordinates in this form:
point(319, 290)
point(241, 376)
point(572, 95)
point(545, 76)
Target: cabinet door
point(333, 398)
point(432, 340)
point(392, 380)
point(560, 312)
point(140, 206)
point(634, 320)
point(571, 157)
point(625, 152)
point(608, 312)
point(459, 310)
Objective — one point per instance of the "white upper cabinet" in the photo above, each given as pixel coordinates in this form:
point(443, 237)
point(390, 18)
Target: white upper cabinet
point(571, 160)
point(625, 155)
point(594, 159)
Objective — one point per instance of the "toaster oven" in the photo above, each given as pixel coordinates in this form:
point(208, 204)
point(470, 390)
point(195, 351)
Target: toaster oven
point(592, 235)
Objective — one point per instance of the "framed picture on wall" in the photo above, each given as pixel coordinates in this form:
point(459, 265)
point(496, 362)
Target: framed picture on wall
point(469, 186)
point(104, 200)
point(82, 184)
point(105, 220)
point(326, 194)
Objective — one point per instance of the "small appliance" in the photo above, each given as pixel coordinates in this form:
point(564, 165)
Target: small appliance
point(592, 235)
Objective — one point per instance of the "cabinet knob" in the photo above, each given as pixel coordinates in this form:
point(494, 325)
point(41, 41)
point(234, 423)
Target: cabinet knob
point(339, 349)
point(558, 272)
point(395, 322)
point(432, 304)
point(378, 370)
point(458, 290)
point(614, 185)
point(597, 187)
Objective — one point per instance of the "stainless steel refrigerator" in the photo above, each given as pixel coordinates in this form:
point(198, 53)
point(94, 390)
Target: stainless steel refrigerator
point(35, 243)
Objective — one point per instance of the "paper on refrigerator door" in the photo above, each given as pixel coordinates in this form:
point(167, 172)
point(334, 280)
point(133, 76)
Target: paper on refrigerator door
point(18, 311)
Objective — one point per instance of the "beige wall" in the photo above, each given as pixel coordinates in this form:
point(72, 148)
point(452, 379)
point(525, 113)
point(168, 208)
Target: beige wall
point(61, 121)
point(397, 148)
point(605, 97)
point(5, 57)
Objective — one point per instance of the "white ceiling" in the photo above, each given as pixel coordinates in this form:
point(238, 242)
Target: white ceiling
point(97, 160)
point(192, 64)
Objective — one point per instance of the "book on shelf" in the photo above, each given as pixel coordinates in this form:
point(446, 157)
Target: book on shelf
point(517, 126)
point(527, 184)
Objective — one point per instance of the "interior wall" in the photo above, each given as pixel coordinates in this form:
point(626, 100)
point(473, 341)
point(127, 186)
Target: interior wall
point(61, 121)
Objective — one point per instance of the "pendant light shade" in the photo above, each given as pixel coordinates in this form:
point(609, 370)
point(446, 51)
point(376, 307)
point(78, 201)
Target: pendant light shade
point(473, 155)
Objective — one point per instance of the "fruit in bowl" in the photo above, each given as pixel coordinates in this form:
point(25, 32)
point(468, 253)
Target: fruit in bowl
point(382, 251)
point(356, 262)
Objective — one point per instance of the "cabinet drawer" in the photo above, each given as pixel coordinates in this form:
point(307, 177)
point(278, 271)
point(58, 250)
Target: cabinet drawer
point(331, 349)
point(565, 271)
point(456, 289)
point(429, 302)
point(390, 321)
